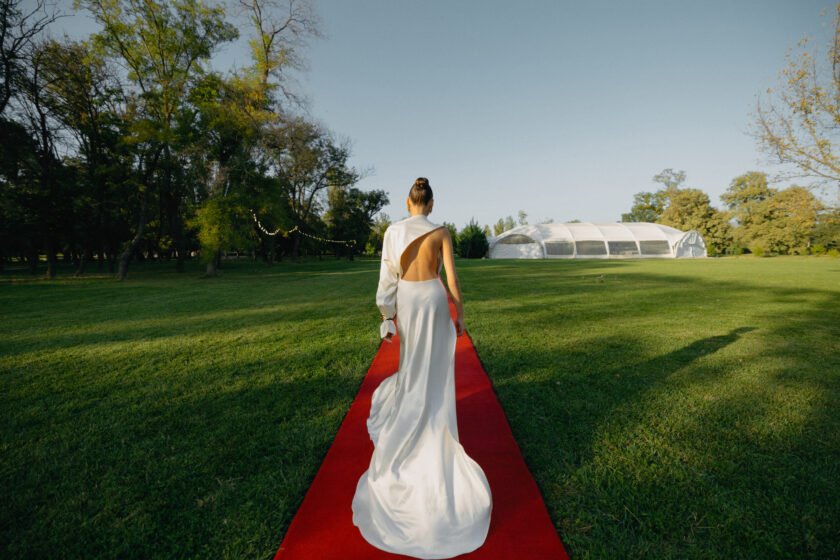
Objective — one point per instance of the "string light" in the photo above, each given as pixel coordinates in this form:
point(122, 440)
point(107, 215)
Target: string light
point(280, 231)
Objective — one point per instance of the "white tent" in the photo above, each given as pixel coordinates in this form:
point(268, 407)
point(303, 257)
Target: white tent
point(596, 241)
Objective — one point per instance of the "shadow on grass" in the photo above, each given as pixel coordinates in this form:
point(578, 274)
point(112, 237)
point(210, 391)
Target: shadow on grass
point(716, 437)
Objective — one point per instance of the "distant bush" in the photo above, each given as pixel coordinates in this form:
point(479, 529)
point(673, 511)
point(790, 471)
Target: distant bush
point(818, 249)
point(833, 253)
point(472, 243)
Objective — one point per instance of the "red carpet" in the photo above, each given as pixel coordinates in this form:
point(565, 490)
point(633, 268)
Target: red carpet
point(520, 528)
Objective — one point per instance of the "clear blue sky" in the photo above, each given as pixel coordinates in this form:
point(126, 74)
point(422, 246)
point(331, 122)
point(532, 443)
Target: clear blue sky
point(561, 109)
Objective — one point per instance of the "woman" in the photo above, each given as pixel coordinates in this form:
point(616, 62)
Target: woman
point(422, 495)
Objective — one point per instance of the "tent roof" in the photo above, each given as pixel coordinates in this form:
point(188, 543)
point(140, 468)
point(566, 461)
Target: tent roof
point(580, 231)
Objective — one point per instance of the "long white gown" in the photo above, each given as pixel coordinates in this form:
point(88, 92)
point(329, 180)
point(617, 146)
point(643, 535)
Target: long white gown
point(422, 495)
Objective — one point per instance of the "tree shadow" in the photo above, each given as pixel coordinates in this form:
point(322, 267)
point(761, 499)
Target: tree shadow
point(723, 446)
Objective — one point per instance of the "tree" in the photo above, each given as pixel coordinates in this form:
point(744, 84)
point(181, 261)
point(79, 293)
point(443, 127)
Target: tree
point(797, 124)
point(282, 28)
point(85, 96)
point(503, 225)
point(649, 206)
point(350, 217)
point(770, 220)
point(690, 209)
point(472, 242)
point(377, 234)
point(523, 217)
point(783, 223)
point(52, 188)
point(827, 230)
point(242, 110)
point(307, 160)
point(499, 227)
point(745, 195)
point(670, 179)
point(18, 32)
point(163, 46)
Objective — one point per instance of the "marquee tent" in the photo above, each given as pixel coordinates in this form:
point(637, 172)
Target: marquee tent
point(596, 241)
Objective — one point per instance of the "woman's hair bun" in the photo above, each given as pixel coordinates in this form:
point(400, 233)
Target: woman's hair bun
point(421, 191)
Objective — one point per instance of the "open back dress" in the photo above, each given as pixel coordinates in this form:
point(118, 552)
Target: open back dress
point(422, 495)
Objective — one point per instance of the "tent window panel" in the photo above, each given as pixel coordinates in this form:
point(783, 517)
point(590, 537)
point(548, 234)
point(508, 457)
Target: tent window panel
point(591, 248)
point(515, 239)
point(560, 248)
point(655, 247)
point(623, 248)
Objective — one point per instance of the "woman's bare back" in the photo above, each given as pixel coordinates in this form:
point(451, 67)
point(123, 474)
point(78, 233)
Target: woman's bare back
point(421, 259)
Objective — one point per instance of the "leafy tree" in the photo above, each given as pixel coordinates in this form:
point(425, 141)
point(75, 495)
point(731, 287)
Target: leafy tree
point(769, 220)
point(827, 230)
point(350, 216)
point(499, 227)
point(503, 225)
point(523, 217)
point(797, 123)
point(19, 30)
point(377, 234)
point(52, 185)
point(19, 208)
point(669, 179)
point(649, 206)
point(307, 160)
point(85, 96)
point(472, 242)
point(281, 29)
point(218, 225)
point(690, 209)
point(783, 223)
point(164, 47)
point(745, 195)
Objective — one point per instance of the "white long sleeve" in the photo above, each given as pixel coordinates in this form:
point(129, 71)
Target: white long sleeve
point(386, 292)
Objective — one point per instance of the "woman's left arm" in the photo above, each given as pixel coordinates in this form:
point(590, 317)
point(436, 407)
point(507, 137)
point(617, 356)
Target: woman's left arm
point(452, 281)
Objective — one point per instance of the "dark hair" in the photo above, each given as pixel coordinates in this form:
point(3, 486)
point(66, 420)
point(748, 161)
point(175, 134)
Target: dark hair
point(421, 192)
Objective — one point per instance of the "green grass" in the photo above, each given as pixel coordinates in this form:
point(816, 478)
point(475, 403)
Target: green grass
point(667, 409)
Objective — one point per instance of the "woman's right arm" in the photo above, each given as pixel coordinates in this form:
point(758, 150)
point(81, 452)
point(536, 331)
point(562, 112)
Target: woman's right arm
point(386, 291)
point(452, 281)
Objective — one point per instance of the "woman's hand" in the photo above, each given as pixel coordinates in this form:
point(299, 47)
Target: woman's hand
point(385, 330)
point(459, 325)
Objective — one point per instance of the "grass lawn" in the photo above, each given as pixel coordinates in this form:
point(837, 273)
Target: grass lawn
point(667, 409)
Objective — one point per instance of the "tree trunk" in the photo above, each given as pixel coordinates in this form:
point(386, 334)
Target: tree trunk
point(213, 265)
point(296, 248)
point(82, 263)
point(182, 251)
point(33, 258)
point(52, 259)
point(211, 271)
point(272, 249)
point(132, 245)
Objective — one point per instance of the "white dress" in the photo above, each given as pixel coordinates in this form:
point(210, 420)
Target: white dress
point(422, 495)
